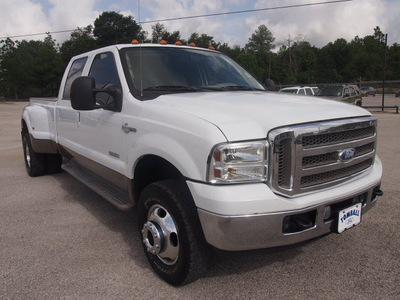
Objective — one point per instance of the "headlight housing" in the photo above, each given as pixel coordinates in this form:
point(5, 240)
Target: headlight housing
point(238, 162)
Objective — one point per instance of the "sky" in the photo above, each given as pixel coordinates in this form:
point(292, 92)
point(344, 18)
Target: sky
point(317, 24)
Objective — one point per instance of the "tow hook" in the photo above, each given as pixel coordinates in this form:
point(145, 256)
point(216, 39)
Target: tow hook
point(378, 192)
point(302, 222)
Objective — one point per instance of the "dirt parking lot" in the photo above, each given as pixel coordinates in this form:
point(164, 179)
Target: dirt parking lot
point(59, 240)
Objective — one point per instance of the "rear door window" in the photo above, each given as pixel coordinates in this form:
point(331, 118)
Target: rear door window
point(75, 71)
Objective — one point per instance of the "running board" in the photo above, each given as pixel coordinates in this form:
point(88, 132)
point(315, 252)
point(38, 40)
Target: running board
point(114, 195)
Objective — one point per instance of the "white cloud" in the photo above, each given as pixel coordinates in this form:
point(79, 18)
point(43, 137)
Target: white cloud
point(318, 24)
point(164, 9)
point(71, 14)
point(322, 24)
point(21, 17)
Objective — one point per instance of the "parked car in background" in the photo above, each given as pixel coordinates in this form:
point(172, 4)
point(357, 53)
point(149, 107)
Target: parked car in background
point(397, 93)
point(346, 93)
point(367, 91)
point(299, 90)
point(315, 89)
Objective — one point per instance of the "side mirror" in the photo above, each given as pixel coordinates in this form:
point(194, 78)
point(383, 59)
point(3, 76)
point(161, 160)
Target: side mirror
point(83, 96)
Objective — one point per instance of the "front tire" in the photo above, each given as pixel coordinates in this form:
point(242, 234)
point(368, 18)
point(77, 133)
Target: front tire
point(171, 232)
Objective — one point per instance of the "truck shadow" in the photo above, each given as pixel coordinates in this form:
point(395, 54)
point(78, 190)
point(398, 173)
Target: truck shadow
point(113, 219)
point(223, 263)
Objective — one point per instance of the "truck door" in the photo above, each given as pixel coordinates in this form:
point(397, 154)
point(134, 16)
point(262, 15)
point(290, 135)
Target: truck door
point(67, 117)
point(99, 131)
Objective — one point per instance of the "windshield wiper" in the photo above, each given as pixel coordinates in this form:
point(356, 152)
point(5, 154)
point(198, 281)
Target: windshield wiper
point(237, 88)
point(230, 88)
point(175, 88)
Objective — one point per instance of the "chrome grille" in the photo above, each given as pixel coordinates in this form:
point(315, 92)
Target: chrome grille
point(306, 157)
point(335, 174)
point(332, 138)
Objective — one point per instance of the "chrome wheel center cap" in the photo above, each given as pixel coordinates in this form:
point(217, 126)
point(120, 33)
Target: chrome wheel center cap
point(152, 237)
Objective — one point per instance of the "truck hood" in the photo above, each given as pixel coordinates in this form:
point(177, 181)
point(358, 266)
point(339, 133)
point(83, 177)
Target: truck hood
point(251, 115)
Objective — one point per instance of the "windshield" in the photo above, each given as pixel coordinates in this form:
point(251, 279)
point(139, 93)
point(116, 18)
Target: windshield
point(167, 69)
point(330, 91)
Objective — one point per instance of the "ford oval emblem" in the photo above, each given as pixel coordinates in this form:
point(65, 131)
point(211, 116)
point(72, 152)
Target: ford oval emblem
point(347, 154)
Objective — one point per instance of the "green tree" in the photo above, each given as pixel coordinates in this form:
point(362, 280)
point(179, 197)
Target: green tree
point(203, 40)
point(331, 61)
point(307, 64)
point(261, 41)
point(365, 60)
point(113, 28)
point(30, 68)
point(260, 44)
point(379, 36)
point(232, 52)
point(249, 62)
point(17, 68)
point(393, 62)
point(81, 40)
point(159, 33)
point(48, 67)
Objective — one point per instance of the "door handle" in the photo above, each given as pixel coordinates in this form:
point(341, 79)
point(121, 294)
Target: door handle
point(126, 128)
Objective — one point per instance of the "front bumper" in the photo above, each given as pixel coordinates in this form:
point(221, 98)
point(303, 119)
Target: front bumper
point(236, 233)
point(244, 217)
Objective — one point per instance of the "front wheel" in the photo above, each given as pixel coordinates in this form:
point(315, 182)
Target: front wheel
point(171, 232)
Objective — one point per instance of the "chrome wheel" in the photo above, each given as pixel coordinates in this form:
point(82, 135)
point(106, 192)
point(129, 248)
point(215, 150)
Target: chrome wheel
point(160, 235)
point(171, 232)
point(27, 155)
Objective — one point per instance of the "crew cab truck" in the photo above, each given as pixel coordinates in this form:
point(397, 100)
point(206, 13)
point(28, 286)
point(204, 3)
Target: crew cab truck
point(203, 153)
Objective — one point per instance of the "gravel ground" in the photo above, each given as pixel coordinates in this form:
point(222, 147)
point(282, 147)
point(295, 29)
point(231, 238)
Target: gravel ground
point(59, 240)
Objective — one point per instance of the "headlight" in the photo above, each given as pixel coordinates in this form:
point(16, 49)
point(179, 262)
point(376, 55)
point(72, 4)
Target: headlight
point(238, 162)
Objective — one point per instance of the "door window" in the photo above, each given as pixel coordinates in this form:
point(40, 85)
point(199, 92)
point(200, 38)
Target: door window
point(105, 73)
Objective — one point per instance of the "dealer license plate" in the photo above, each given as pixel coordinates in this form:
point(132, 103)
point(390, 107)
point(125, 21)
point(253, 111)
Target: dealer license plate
point(349, 217)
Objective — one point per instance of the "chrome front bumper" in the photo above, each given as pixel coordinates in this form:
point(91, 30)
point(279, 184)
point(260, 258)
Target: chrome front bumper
point(235, 233)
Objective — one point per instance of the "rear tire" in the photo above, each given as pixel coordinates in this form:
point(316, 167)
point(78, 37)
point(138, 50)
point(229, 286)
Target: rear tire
point(171, 232)
point(53, 163)
point(35, 163)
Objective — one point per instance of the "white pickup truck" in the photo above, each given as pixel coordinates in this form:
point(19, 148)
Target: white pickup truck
point(203, 152)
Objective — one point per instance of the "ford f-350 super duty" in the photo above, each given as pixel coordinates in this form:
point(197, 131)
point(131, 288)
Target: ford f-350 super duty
point(204, 154)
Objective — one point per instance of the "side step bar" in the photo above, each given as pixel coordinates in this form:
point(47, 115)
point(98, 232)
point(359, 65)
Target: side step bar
point(114, 195)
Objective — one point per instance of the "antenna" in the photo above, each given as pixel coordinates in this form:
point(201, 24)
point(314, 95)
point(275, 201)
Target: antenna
point(140, 55)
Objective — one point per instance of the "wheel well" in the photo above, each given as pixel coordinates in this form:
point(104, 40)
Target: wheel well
point(24, 127)
point(151, 169)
